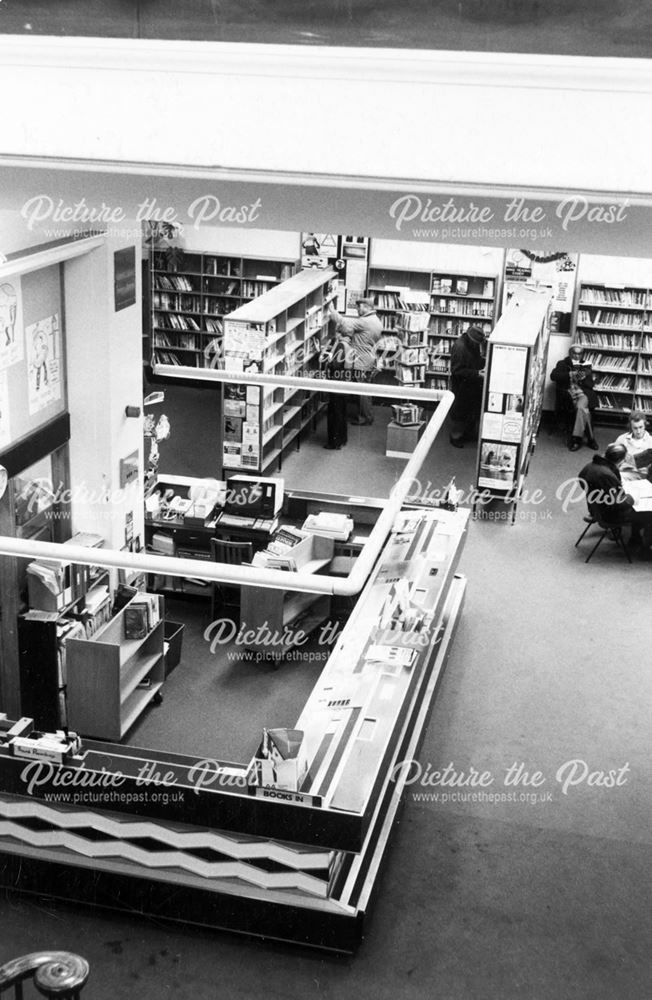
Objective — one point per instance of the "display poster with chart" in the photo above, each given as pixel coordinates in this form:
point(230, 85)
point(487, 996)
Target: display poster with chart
point(11, 323)
point(43, 341)
point(5, 431)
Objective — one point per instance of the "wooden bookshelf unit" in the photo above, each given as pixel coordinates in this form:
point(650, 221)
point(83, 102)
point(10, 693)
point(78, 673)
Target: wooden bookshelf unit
point(112, 679)
point(613, 323)
point(190, 300)
point(282, 332)
point(454, 301)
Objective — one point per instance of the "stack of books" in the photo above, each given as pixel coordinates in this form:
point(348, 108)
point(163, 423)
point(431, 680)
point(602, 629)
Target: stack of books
point(141, 615)
point(406, 415)
point(278, 554)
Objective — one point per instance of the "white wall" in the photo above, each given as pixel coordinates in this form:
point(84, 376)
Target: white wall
point(105, 376)
point(425, 256)
point(248, 242)
point(477, 118)
point(616, 270)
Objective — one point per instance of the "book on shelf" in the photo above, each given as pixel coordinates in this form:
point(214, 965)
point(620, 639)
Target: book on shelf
point(603, 295)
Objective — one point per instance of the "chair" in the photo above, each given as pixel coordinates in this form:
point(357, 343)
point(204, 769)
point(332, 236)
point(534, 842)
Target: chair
point(589, 522)
point(613, 531)
point(54, 973)
point(233, 554)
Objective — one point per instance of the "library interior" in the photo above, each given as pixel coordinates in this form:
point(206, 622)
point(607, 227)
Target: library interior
point(292, 570)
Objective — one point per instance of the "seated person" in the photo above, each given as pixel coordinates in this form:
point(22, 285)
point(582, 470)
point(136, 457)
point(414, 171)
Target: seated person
point(606, 496)
point(574, 379)
point(638, 442)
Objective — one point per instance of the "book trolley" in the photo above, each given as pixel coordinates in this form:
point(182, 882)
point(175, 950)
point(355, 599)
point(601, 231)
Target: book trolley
point(517, 354)
point(204, 841)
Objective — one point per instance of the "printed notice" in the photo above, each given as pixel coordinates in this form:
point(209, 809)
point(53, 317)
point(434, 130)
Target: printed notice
point(507, 369)
point(43, 363)
point(11, 323)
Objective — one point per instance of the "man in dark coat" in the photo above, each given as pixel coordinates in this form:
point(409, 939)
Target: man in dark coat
point(467, 381)
point(574, 381)
point(607, 498)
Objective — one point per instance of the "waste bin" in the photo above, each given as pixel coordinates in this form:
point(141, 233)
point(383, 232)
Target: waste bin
point(172, 634)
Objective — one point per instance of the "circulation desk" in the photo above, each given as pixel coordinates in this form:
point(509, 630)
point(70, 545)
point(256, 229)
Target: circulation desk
point(177, 838)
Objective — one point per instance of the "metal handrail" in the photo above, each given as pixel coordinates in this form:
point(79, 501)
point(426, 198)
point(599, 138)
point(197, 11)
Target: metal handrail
point(56, 974)
point(253, 575)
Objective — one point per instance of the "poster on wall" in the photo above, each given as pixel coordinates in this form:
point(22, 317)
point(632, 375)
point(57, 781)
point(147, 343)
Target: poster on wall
point(43, 363)
point(5, 430)
point(11, 323)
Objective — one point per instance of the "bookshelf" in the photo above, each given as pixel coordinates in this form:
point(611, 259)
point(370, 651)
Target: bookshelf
point(516, 371)
point(613, 323)
point(289, 616)
point(111, 678)
point(452, 300)
point(282, 332)
point(190, 298)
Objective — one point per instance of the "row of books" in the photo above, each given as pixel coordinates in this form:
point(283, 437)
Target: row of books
point(278, 554)
point(457, 307)
point(616, 383)
point(222, 287)
point(436, 382)
point(173, 283)
point(599, 295)
point(171, 321)
point(619, 341)
point(218, 266)
point(141, 615)
point(182, 341)
point(606, 317)
point(623, 362)
point(169, 358)
point(176, 302)
point(462, 286)
point(410, 375)
point(252, 289)
point(218, 307)
point(643, 403)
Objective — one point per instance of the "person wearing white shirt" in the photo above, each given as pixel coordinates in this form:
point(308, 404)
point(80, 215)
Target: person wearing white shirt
point(638, 442)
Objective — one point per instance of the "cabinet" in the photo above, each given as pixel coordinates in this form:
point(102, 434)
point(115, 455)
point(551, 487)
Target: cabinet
point(613, 323)
point(453, 301)
point(193, 292)
point(282, 333)
point(274, 621)
point(111, 679)
point(517, 358)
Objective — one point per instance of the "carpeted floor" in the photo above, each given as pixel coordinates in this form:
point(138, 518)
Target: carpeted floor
point(480, 899)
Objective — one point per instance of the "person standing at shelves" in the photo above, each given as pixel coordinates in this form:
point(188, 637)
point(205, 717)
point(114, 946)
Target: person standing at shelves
point(607, 498)
point(638, 442)
point(574, 381)
point(467, 381)
point(334, 360)
point(361, 334)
